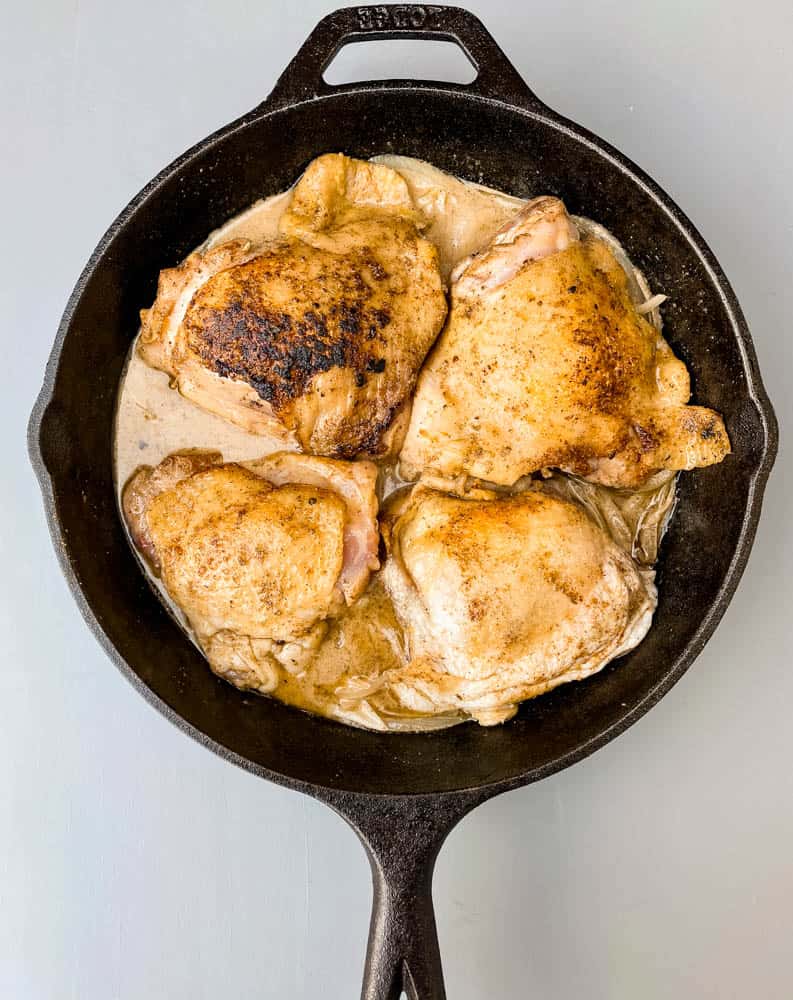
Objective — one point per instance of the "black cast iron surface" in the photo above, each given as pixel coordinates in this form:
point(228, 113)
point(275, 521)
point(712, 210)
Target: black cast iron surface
point(402, 793)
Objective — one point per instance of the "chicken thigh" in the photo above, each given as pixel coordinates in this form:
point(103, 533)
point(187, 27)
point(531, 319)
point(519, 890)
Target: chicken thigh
point(259, 555)
point(313, 340)
point(504, 598)
point(546, 362)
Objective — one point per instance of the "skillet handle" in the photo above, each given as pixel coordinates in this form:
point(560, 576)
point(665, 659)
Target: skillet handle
point(496, 77)
point(403, 954)
point(402, 836)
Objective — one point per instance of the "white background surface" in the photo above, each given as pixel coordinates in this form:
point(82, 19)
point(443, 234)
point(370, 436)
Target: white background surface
point(133, 863)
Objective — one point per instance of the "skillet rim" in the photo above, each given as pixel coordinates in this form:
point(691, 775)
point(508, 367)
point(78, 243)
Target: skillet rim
point(534, 110)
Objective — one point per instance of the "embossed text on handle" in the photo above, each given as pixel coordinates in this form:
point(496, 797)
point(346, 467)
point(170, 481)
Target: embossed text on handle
point(400, 17)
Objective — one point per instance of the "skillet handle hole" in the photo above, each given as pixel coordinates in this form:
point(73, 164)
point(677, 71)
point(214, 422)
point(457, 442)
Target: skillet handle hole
point(400, 58)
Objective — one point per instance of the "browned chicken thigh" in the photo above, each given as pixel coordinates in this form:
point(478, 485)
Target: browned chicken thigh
point(546, 362)
point(258, 555)
point(502, 598)
point(314, 340)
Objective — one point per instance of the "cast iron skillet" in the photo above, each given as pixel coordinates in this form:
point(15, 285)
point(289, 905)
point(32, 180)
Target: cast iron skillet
point(402, 794)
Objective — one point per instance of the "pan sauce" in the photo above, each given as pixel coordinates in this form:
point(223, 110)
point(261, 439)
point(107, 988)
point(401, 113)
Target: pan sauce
point(152, 421)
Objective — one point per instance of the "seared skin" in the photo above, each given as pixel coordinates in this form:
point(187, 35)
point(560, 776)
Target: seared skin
point(238, 554)
point(315, 340)
point(258, 557)
point(148, 483)
point(355, 483)
point(504, 598)
point(545, 362)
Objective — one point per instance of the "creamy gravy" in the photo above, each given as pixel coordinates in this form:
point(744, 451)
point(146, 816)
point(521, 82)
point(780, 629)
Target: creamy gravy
point(153, 420)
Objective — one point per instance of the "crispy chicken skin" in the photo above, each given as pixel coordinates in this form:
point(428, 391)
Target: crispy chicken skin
point(257, 556)
point(355, 483)
point(315, 340)
point(149, 482)
point(504, 598)
point(545, 362)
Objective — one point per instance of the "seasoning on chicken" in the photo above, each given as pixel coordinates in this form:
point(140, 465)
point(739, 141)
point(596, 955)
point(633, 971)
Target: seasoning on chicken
point(503, 598)
point(545, 362)
point(258, 556)
point(313, 340)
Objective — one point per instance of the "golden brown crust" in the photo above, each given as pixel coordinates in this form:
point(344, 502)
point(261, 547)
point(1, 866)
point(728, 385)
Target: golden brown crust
point(254, 322)
point(317, 337)
point(148, 482)
point(157, 341)
point(555, 368)
point(356, 484)
point(240, 555)
point(336, 189)
point(265, 549)
point(503, 597)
